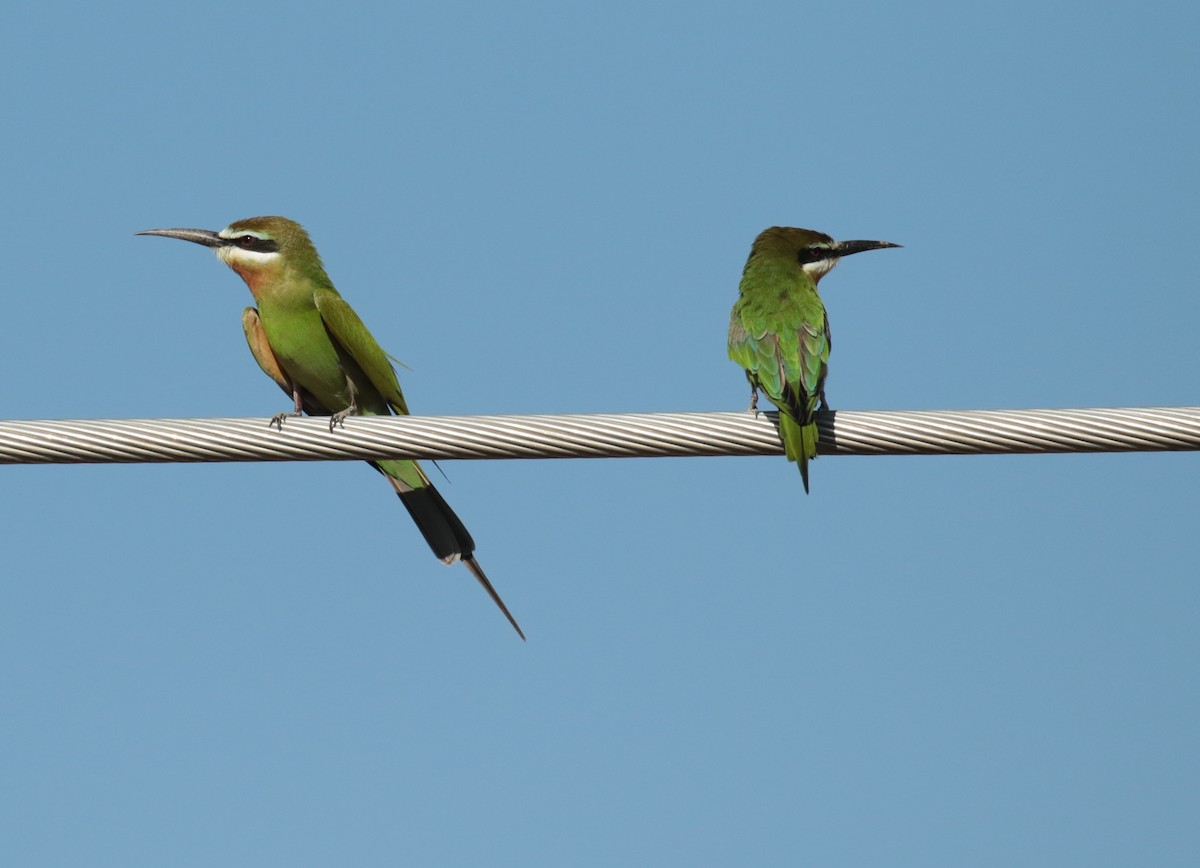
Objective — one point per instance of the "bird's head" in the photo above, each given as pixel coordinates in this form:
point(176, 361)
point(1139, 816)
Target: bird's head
point(260, 249)
point(813, 252)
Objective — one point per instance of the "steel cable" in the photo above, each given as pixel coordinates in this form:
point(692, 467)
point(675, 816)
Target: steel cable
point(845, 432)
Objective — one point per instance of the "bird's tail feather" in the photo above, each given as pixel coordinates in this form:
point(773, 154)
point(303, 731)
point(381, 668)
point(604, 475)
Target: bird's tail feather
point(799, 443)
point(477, 572)
point(445, 533)
point(438, 523)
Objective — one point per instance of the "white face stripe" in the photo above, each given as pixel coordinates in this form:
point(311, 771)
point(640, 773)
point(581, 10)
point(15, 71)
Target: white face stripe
point(820, 267)
point(229, 232)
point(230, 254)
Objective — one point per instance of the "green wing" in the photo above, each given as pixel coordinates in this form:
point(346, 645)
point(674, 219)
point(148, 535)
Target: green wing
point(354, 339)
point(786, 361)
point(785, 356)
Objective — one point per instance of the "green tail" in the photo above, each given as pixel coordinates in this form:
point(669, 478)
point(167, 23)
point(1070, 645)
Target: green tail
point(799, 442)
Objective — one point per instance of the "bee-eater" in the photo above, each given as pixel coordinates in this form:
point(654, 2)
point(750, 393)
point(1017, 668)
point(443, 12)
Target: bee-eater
point(779, 331)
point(307, 339)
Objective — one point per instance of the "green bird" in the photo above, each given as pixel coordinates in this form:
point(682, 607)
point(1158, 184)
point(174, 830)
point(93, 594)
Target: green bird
point(307, 339)
point(779, 331)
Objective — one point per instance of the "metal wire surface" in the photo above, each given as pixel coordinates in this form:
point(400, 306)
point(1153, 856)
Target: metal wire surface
point(932, 432)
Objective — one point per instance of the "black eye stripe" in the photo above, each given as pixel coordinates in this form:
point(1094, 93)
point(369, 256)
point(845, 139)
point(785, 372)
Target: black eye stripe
point(812, 254)
point(253, 242)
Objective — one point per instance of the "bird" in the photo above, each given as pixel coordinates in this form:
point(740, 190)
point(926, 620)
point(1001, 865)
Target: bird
point(779, 330)
point(309, 340)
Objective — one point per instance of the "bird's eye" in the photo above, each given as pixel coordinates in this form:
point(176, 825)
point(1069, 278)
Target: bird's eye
point(810, 254)
point(247, 241)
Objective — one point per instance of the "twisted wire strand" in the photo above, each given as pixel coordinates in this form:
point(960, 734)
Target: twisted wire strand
point(631, 435)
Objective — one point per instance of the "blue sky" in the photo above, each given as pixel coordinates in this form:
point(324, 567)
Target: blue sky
point(545, 208)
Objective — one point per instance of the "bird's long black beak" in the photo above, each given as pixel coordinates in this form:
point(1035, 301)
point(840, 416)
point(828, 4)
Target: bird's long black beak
point(199, 236)
point(845, 248)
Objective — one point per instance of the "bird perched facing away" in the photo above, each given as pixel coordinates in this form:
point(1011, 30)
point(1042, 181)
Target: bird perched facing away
point(307, 339)
point(779, 331)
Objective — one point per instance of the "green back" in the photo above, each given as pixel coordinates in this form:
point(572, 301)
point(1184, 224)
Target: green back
point(779, 331)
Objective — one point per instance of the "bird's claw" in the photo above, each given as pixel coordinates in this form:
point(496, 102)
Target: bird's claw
point(339, 418)
point(277, 419)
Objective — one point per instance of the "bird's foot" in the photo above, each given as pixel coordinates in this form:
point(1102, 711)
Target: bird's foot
point(277, 419)
point(339, 418)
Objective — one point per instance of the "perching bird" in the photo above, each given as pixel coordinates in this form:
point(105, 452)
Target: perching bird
point(307, 339)
point(779, 331)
